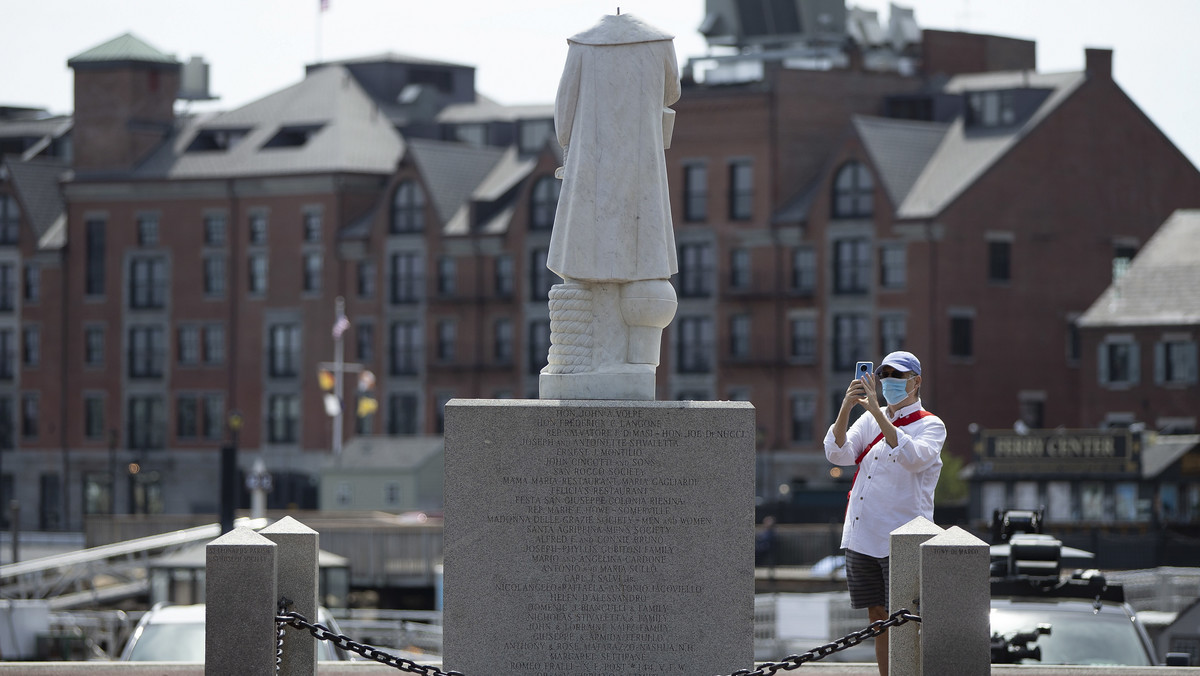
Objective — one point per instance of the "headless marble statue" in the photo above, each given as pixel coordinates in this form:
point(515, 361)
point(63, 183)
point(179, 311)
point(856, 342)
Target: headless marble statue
point(612, 242)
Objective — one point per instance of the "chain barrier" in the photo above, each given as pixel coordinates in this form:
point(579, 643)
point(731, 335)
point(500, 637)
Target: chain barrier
point(820, 652)
point(323, 633)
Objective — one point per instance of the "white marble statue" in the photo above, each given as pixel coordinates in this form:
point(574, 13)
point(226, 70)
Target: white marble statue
point(612, 242)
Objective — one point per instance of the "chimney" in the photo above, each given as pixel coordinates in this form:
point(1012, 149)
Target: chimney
point(1099, 63)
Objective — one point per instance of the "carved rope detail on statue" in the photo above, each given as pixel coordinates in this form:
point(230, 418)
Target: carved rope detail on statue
point(570, 329)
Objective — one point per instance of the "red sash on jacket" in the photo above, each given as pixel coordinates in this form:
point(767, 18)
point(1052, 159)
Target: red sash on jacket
point(899, 422)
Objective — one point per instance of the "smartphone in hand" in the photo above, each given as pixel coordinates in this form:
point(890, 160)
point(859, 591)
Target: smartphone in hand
point(862, 368)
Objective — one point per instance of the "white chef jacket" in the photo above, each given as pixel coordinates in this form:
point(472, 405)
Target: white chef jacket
point(895, 484)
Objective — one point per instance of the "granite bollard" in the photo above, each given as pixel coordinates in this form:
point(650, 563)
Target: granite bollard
point(297, 574)
point(904, 589)
point(955, 605)
point(599, 537)
point(240, 597)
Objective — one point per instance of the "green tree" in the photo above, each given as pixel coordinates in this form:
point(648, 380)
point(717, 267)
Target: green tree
point(951, 488)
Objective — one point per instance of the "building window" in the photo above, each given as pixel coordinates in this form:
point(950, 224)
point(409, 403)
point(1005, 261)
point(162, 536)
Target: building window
point(540, 277)
point(212, 419)
point(283, 350)
point(505, 276)
point(804, 270)
point(533, 135)
point(991, 109)
point(147, 422)
point(29, 415)
point(257, 231)
point(695, 345)
point(405, 348)
point(804, 414)
point(408, 277)
point(1119, 362)
point(695, 270)
point(366, 279)
point(999, 260)
point(695, 192)
point(312, 272)
point(402, 414)
point(1175, 361)
point(391, 493)
point(283, 418)
point(8, 355)
point(1123, 253)
point(345, 494)
point(256, 283)
point(31, 345)
point(8, 287)
point(893, 331)
point(1032, 407)
point(214, 345)
point(850, 340)
point(804, 339)
point(851, 266)
point(189, 345)
point(94, 257)
point(447, 274)
point(364, 341)
point(93, 346)
point(539, 345)
point(739, 336)
point(447, 336)
point(10, 220)
point(853, 192)
point(147, 348)
point(408, 208)
point(741, 190)
point(214, 276)
point(186, 417)
point(962, 336)
point(147, 283)
point(93, 417)
point(544, 203)
point(214, 230)
point(739, 269)
point(33, 283)
point(147, 230)
point(502, 349)
point(312, 227)
point(893, 266)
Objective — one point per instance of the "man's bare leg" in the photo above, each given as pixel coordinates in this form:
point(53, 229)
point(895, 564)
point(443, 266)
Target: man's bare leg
point(876, 613)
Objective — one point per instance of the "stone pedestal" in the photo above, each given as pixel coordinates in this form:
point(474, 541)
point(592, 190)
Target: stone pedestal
point(955, 605)
point(297, 573)
point(599, 537)
point(904, 589)
point(240, 597)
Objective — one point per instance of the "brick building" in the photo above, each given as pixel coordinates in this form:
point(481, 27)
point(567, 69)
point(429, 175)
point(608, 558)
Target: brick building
point(176, 269)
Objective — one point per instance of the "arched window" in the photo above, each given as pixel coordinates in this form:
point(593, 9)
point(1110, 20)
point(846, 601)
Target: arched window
point(853, 192)
point(544, 203)
point(408, 208)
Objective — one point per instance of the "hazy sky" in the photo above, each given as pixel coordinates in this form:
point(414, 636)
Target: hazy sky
point(255, 47)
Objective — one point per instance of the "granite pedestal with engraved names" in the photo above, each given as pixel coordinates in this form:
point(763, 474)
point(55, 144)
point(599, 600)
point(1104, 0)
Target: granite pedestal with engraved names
point(599, 537)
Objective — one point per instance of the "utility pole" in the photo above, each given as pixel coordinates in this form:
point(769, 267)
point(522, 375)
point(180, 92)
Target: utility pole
point(338, 368)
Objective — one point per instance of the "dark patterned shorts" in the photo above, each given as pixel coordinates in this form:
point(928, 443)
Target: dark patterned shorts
point(867, 578)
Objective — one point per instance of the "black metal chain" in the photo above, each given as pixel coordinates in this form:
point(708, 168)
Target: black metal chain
point(820, 652)
point(322, 633)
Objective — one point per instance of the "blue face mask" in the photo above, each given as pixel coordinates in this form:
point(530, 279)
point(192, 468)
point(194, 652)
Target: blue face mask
point(895, 390)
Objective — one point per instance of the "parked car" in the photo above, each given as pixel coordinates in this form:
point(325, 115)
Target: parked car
point(1040, 616)
point(168, 633)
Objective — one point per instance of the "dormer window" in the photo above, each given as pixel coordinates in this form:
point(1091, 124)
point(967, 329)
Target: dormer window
point(533, 135)
point(293, 136)
point(853, 192)
point(991, 109)
point(216, 139)
point(408, 208)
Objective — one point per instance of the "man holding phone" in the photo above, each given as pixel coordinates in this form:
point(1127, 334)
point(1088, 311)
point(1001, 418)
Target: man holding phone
point(898, 453)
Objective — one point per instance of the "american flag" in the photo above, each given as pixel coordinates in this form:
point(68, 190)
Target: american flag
point(340, 326)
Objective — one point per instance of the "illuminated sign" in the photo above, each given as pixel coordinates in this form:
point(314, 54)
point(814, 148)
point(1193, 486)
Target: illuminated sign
point(1086, 452)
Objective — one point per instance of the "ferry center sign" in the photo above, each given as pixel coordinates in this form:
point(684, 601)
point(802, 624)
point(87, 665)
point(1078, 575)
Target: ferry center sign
point(1095, 453)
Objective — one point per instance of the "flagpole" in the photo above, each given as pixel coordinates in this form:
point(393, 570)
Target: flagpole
point(320, 19)
point(338, 385)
